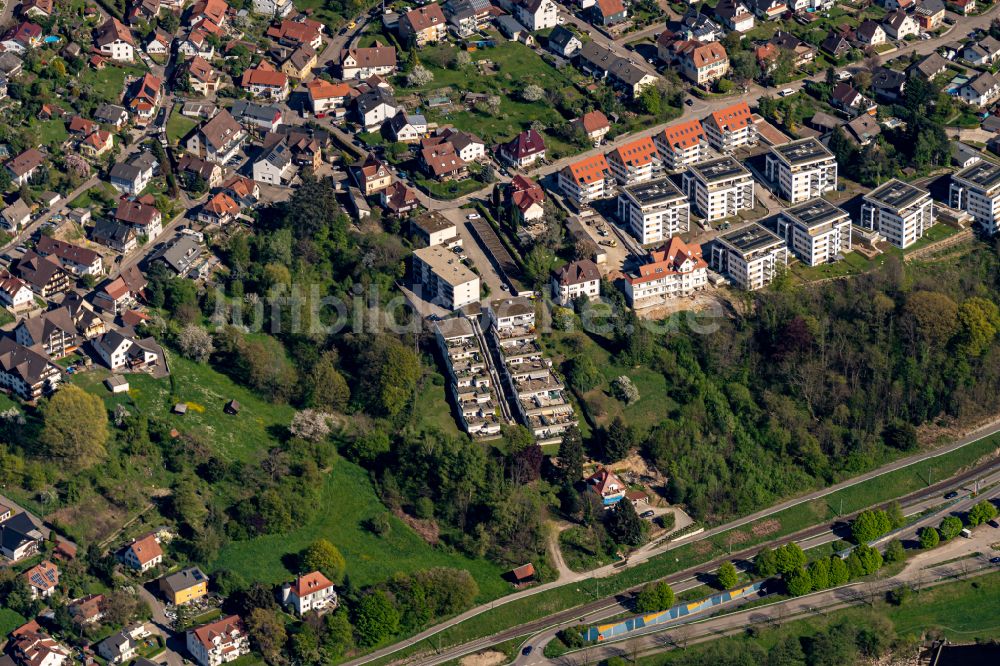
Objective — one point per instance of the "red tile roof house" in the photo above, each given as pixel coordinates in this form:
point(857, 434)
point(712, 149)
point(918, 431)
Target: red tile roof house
point(526, 199)
point(27, 34)
point(265, 82)
point(605, 483)
point(594, 124)
point(311, 592)
point(524, 149)
point(22, 167)
point(43, 579)
point(143, 554)
point(220, 642)
point(144, 97)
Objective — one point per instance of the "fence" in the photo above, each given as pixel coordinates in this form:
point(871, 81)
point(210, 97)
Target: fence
point(605, 632)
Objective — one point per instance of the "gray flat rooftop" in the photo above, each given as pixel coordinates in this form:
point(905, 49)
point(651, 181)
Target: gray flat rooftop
point(897, 194)
point(654, 192)
point(815, 213)
point(722, 168)
point(983, 173)
point(751, 238)
point(803, 151)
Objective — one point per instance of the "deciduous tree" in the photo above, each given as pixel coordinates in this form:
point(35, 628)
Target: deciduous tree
point(75, 428)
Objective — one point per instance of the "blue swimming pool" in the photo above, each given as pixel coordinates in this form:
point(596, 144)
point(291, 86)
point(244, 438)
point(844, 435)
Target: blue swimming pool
point(52, 39)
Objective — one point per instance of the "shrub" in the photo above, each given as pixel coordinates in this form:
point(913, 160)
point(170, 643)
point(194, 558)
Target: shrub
point(625, 390)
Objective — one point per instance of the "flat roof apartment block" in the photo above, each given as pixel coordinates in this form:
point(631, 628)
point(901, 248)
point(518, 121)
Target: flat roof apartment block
point(817, 232)
point(976, 190)
point(898, 211)
point(719, 188)
point(803, 169)
point(446, 281)
point(750, 256)
point(654, 211)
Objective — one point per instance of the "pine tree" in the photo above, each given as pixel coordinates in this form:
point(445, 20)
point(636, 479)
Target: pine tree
point(624, 524)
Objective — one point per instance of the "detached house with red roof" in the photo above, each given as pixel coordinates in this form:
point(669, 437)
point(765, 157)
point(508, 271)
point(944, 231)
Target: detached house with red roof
point(310, 592)
point(97, 144)
point(143, 554)
point(674, 271)
point(144, 97)
point(702, 63)
point(440, 161)
point(731, 128)
point(608, 486)
point(423, 25)
point(608, 12)
point(27, 34)
point(594, 124)
point(634, 162)
point(523, 150)
point(142, 215)
point(43, 579)
point(682, 144)
point(114, 40)
point(266, 82)
point(297, 33)
point(324, 96)
point(586, 180)
point(220, 642)
point(525, 199)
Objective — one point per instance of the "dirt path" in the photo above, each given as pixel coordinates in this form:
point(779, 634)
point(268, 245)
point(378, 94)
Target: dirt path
point(565, 573)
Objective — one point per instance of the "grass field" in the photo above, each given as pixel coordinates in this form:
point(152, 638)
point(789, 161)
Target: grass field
point(653, 403)
point(108, 84)
point(9, 621)
point(179, 126)
point(433, 411)
point(88, 198)
point(205, 391)
point(52, 132)
point(351, 501)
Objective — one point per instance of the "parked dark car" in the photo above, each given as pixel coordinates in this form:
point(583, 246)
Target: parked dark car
point(952, 495)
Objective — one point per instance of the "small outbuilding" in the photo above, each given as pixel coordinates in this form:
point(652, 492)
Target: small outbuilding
point(232, 407)
point(180, 408)
point(116, 384)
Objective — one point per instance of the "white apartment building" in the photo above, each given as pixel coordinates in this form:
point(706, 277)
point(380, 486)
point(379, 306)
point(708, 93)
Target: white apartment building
point(654, 211)
point(634, 162)
point(816, 231)
point(976, 189)
point(446, 281)
point(682, 145)
point(731, 128)
point(898, 211)
point(719, 188)
point(803, 169)
point(673, 271)
point(587, 180)
point(750, 256)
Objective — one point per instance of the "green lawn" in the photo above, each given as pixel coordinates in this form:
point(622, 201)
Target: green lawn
point(90, 198)
point(351, 501)
point(205, 391)
point(602, 408)
point(9, 621)
point(449, 190)
point(433, 411)
point(51, 133)
point(179, 126)
point(108, 84)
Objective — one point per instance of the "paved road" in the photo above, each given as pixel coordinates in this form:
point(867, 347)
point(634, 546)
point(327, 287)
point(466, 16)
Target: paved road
point(657, 548)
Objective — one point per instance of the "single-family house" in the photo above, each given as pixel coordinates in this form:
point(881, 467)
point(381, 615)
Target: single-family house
point(114, 41)
point(310, 592)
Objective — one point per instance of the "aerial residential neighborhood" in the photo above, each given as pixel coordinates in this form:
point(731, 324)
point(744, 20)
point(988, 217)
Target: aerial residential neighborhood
point(494, 332)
